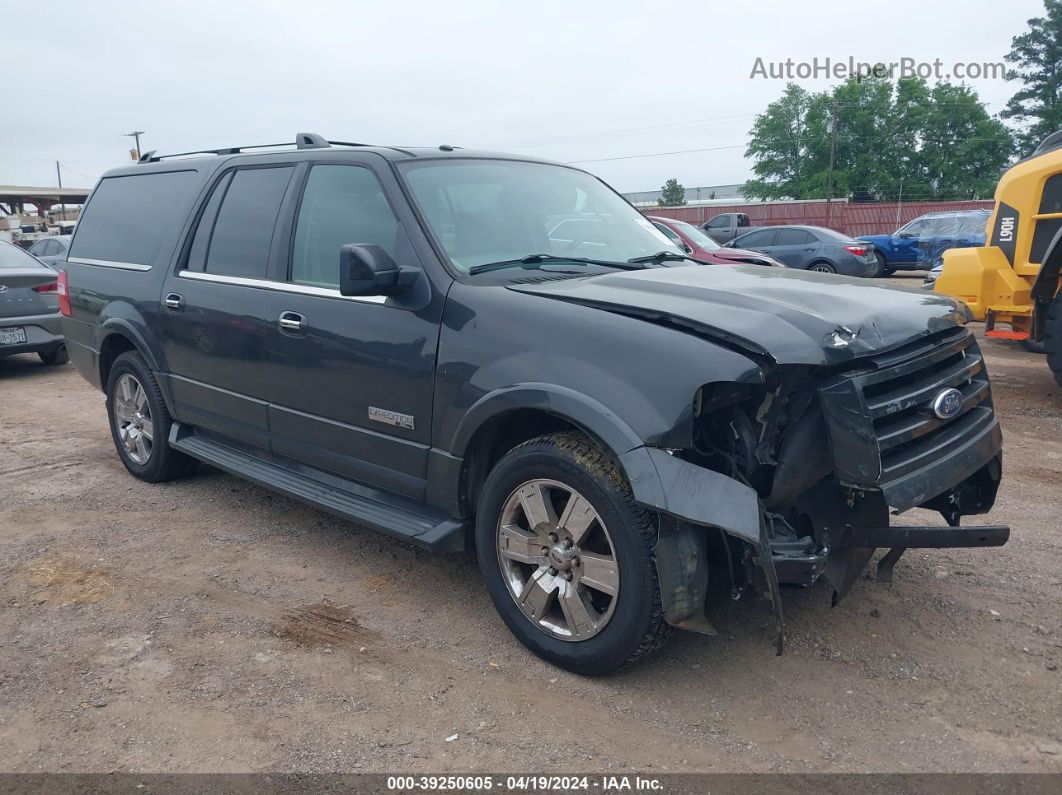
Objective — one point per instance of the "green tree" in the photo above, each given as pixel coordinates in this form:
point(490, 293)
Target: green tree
point(1037, 56)
point(893, 140)
point(672, 194)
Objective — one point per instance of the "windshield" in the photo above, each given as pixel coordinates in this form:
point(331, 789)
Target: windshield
point(484, 211)
point(696, 235)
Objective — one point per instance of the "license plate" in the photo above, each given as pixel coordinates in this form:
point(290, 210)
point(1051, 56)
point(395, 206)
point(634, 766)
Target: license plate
point(12, 335)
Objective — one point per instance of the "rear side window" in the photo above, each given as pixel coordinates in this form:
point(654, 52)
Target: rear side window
point(127, 218)
point(341, 204)
point(240, 242)
point(793, 237)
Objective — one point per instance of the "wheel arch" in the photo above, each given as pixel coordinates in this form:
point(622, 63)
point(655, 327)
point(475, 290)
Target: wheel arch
point(500, 421)
point(118, 335)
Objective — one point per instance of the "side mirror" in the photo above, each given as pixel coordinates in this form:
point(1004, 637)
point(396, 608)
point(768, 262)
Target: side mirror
point(369, 270)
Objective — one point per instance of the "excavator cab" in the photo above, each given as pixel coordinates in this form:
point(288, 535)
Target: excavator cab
point(1012, 282)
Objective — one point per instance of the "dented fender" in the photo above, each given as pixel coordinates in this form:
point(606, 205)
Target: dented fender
point(698, 497)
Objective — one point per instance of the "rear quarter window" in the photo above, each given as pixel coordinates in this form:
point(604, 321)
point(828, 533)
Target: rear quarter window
point(127, 218)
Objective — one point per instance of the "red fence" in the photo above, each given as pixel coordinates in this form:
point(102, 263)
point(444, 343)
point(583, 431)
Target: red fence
point(849, 218)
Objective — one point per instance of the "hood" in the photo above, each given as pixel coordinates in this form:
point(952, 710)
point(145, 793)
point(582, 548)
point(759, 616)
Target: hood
point(784, 315)
point(741, 255)
point(875, 238)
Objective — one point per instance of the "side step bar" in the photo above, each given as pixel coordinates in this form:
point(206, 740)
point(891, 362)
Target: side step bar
point(393, 515)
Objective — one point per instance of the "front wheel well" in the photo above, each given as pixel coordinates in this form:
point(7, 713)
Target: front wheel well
point(114, 345)
point(496, 437)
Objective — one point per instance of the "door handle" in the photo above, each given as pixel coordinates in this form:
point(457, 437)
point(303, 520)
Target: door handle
point(174, 302)
point(292, 323)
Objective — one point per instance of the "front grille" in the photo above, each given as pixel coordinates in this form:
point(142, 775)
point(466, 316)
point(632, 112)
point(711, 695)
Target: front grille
point(879, 415)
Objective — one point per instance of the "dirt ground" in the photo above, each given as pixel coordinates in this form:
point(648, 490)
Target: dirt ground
point(207, 625)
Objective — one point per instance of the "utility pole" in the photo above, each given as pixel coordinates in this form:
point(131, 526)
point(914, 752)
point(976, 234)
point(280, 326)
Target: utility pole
point(899, 204)
point(59, 176)
point(135, 135)
point(833, 152)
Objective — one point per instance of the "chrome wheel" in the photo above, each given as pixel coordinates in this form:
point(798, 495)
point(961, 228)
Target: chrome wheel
point(132, 418)
point(557, 560)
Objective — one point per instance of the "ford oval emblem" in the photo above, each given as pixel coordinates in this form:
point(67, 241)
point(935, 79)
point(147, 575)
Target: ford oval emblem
point(947, 403)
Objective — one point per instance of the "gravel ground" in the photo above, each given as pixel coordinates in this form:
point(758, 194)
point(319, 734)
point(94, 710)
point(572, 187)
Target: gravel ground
point(207, 625)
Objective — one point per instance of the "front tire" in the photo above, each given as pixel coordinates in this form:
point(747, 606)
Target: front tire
point(567, 556)
point(140, 422)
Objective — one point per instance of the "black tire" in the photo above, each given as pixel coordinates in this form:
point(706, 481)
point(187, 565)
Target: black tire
point(163, 463)
point(822, 266)
point(888, 272)
point(57, 355)
point(880, 268)
point(1034, 347)
point(636, 626)
point(1053, 338)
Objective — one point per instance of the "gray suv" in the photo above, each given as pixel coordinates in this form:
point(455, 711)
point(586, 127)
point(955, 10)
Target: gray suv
point(469, 350)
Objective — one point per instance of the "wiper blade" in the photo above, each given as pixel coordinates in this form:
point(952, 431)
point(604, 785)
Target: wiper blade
point(661, 256)
point(532, 261)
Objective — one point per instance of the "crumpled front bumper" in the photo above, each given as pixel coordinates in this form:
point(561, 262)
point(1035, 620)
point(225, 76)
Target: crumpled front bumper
point(848, 531)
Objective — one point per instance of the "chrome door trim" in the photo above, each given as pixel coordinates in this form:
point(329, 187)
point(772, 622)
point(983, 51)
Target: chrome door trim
point(106, 263)
point(281, 287)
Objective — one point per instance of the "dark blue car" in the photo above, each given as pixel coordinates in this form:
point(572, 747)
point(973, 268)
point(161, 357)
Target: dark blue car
point(920, 244)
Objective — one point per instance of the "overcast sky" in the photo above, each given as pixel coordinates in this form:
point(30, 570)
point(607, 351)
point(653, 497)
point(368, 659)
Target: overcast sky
point(577, 80)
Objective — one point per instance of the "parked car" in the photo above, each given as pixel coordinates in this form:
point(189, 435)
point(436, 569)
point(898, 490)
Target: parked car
point(702, 248)
point(725, 227)
point(393, 335)
point(812, 248)
point(921, 243)
point(29, 307)
point(51, 250)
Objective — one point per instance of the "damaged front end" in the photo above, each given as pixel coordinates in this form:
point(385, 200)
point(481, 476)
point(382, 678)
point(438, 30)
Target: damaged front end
point(798, 475)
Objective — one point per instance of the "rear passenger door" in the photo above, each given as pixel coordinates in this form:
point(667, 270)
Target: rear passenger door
point(352, 378)
point(218, 314)
point(795, 247)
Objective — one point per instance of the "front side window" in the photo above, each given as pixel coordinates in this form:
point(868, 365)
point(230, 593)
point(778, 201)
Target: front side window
point(341, 204)
point(243, 232)
point(484, 211)
point(722, 222)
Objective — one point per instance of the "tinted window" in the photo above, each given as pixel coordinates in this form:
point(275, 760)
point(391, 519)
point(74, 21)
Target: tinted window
point(127, 218)
point(243, 232)
point(762, 237)
point(722, 222)
point(197, 253)
point(341, 204)
point(793, 237)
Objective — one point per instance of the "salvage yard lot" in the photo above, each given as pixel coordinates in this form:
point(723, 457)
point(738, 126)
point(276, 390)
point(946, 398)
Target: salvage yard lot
point(207, 625)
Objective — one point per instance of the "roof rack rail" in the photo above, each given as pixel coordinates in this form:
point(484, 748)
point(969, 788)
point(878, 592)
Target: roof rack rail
point(303, 140)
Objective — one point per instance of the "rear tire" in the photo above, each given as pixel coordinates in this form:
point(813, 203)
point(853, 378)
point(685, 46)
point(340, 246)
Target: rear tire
point(822, 267)
point(548, 599)
point(140, 422)
point(1053, 338)
point(57, 355)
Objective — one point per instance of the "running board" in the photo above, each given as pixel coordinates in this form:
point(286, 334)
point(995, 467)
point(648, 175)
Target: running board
point(377, 510)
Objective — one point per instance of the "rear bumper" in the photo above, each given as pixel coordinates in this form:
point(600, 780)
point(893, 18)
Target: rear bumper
point(43, 332)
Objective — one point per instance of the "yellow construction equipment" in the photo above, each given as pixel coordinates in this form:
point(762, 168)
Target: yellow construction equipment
point(1013, 280)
